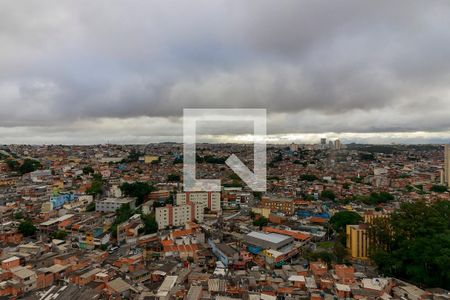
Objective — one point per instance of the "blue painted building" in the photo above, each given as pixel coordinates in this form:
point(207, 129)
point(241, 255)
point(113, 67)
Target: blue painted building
point(58, 201)
point(226, 254)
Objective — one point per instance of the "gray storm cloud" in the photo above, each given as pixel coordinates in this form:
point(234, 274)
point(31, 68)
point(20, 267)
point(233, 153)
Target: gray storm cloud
point(127, 69)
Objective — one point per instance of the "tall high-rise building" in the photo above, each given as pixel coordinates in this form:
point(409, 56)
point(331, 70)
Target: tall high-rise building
point(358, 241)
point(447, 164)
point(337, 145)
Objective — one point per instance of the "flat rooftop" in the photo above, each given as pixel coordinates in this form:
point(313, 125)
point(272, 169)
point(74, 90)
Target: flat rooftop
point(270, 237)
point(118, 200)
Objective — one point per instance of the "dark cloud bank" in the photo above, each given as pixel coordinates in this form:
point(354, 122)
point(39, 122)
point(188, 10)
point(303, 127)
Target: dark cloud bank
point(91, 71)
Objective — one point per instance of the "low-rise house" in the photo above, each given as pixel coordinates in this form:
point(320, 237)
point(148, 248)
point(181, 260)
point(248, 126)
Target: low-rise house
point(26, 277)
point(120, 288)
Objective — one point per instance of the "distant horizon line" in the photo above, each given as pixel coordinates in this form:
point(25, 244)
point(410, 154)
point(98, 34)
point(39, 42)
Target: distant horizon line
point(219, 143)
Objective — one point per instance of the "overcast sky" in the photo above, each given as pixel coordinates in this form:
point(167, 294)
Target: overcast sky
point(122, 71)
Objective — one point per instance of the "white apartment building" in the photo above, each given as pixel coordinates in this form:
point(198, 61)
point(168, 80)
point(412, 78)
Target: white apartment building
point(202, 200)
point(112, 204)
point(177, 215)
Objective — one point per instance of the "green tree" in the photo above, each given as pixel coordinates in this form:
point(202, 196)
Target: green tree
point(18, 215)
point(59, 235)
point(374, 198)
point(27, 228)
point(12, 164)
point(137, 189)
point(173, 178)
point(3, 156)
point(88, 170)
point(439, 188)
point(90, 206)
point(414, 243)
point(150, 224)
point(133, 156)
point(324, 256)
point(123, 213)
point(308, 177)
point(29, 165)
point(339, 251)
point(327, 194)
point(96, 185)
point(261, 222)
point(367, 156)
point(343, 218)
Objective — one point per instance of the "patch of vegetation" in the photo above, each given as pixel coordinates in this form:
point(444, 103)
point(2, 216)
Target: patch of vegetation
point(341, 219)
point(308, 177)
point(122, 214)
point(367, 156)
point(27, 166)
point(374, 198)
point(27, 228)
point(326, 245)
point(327, 194)
point(261, 222)
point(150, 224)
point(90, 206)
point(173, 178)
point(133, 156)
point(439, 188)
point(137, 189)
point(59, 235)
point(414, 243)
point(88, 170)
point(18, 215)
point(96, 185)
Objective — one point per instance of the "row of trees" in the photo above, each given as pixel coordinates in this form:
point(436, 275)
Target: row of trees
point(374, 198)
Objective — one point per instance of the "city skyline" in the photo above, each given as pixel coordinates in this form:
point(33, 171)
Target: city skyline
point(224, 150)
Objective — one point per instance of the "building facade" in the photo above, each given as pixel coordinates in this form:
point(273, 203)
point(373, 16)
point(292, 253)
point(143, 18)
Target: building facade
point(358, 241)
point(178, 215)
point(285, 206)
point(112, 204)
point(202, 200)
